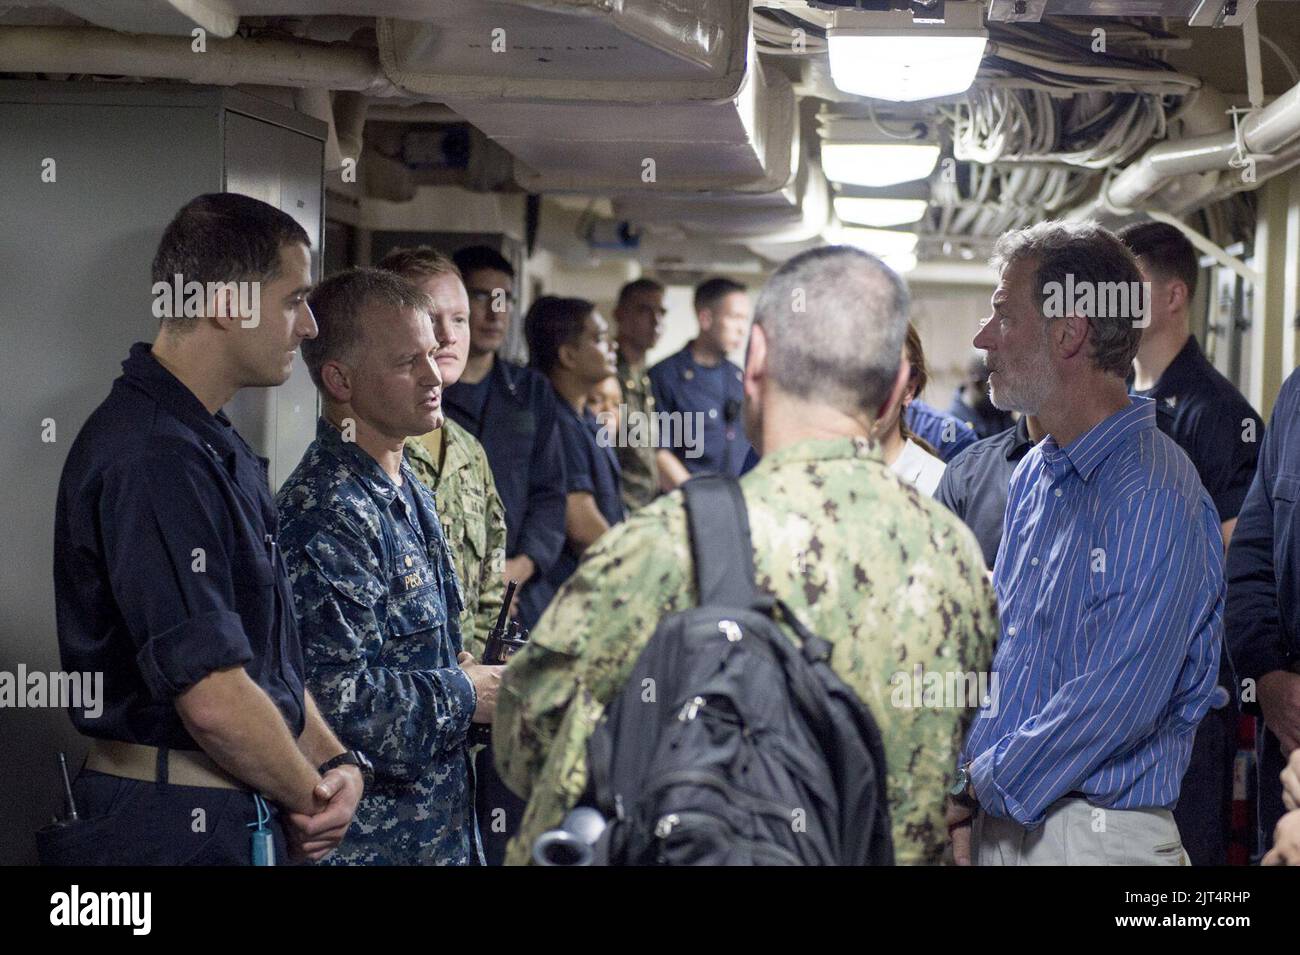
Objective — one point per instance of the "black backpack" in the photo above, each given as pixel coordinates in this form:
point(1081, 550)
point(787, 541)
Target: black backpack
point(730, 744)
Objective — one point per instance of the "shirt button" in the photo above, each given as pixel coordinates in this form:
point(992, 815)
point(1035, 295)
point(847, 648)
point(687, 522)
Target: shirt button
point(1034, 561)
point(713, 412)
point(1011, 631)
point(1057, 492)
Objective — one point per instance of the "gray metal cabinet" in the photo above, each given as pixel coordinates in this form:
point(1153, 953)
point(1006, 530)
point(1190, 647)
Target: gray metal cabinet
point(90, 173)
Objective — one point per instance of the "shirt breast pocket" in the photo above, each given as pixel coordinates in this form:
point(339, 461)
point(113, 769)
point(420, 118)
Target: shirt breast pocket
point(1286, 517)
point(414, 604)
point(416, 623)
point(252, 580)
point(344, 574)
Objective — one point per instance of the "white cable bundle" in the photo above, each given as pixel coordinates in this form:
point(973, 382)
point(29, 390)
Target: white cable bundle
point(1013, 125)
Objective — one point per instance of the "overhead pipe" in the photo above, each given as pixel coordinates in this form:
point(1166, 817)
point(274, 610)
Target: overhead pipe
point(316, 104)
point(1264, 131)
point(350, 120)
point(239, 60)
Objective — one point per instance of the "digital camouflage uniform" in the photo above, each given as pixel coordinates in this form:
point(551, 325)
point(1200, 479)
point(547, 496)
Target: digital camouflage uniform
point(377, 601)
point(890, 578)
point(640, 470)
point(473, 523)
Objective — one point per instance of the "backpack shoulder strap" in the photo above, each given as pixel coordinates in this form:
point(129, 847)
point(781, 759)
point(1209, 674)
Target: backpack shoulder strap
point(718, 523)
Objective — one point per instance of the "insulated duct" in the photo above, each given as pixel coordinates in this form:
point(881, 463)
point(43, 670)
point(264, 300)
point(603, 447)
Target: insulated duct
point(237, 61)
point(1263, 132)
point(630, 98)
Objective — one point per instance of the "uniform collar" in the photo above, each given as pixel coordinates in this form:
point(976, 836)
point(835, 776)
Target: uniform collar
point(688, 357)
point(1086, 453)
point(821, 449)
point(455, 453)
point(366, 469)
point(1019, 443)
point(585, 415)
point(624, 367)
point(1184, 373)
point(143, 371)
point(511, 377)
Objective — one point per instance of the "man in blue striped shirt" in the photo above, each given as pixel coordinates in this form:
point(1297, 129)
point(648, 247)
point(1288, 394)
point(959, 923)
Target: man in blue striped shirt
point(1109, 578)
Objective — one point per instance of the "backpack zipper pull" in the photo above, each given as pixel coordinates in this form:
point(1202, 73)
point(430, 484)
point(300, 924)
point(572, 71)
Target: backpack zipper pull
point(691, 709)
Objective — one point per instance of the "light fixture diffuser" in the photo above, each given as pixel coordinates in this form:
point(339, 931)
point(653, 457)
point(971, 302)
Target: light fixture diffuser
point(878, 164)
point(885, 55)
point(901, 263)
point(858, 210)
point(881, 242)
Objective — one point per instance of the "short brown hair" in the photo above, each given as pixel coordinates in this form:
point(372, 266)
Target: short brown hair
point(919, 377)
point(1080, 254)
point(552, 323)
point(419, 263)
point(337, 304)
point(708, 294)
point(636, 286)
point(1166, 250)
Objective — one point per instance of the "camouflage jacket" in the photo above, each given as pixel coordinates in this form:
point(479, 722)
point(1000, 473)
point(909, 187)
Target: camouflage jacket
point(377, 603)
point(640, 470)
point(890, 578)
point(473, 522)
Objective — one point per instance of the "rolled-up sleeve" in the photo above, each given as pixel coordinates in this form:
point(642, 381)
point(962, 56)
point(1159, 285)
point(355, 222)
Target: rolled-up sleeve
point(167, 540)
point(399, 718)
point(578, 457)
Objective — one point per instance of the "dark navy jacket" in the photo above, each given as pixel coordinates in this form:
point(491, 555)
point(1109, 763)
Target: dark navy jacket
point(1215, 425)
point(166, 565)
point(1262, 620)
point(946, 434)
point(593, 468)
point(714, 396)
point(513, 414)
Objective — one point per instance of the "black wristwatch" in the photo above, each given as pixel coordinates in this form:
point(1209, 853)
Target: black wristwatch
point(350, 758)
point(963, 789)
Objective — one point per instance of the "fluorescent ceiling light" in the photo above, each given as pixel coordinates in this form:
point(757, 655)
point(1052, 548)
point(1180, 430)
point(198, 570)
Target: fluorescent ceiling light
point(902, 263)
point(878, 164)
point(882, 242)
point(879, 212)
point(887, 56)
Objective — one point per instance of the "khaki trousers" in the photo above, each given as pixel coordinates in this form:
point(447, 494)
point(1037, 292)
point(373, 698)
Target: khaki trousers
point(1078, 833)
